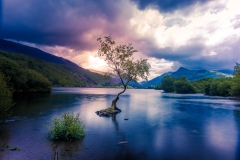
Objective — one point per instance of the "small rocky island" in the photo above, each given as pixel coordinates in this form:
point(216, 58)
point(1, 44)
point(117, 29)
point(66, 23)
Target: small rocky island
point(109, 112)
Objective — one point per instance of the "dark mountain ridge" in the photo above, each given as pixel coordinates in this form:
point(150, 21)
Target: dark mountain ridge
point(61, 72)
point(14, 47)
point(96, 79)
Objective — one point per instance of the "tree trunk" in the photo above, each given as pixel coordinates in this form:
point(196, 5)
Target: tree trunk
point(114, 102)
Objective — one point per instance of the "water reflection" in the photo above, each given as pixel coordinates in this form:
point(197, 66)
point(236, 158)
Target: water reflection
point(4, 141)
point(159, 126)
point(237, 118)
point(67, 150)
point(115, 121)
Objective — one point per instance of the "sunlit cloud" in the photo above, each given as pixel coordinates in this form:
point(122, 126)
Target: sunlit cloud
point(91, 61)
point(194, 34)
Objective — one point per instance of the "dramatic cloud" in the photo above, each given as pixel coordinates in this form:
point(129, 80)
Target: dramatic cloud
point(206, 38)
point(190, 33)
point(1, 9)
point(167, 5)
point(74, 24)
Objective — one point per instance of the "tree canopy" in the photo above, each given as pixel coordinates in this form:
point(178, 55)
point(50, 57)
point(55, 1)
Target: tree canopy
point(183, 86)
point(209, 86)
point(6, 101)
point(237, 70)
point(167, 83)
point(120, 59)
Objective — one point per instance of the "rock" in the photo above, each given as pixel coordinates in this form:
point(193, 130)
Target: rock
point(123, 142)
point(10, 120)
point(106, 113)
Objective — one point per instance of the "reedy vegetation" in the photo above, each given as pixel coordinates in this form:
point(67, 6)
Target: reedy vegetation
point(68, 127)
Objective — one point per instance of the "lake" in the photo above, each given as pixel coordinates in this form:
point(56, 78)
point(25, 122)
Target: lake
point(159, 126)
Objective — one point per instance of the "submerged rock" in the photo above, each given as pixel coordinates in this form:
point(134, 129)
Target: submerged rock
point(107, 112)
point(124, 142)
point(10, 120)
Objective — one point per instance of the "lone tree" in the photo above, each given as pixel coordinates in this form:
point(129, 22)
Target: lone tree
point(119, 59)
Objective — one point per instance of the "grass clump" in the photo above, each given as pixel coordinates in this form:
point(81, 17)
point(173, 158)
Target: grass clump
point(68, 127)
point(16, 148)
point(109, 110)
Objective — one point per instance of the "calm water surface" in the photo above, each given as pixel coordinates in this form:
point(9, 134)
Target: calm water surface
point(160, 126)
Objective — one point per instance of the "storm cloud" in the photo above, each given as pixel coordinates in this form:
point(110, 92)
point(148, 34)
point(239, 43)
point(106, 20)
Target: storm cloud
point(167, 5)
point(190, 33)
point(75, 24)
point(1, 9)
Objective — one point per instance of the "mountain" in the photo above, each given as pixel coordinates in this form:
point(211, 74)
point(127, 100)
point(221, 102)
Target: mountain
point(183, 72)
point(91, 77)
point(13, 47)
point(154, 81)
point(191, 75)
point(62, 72)
point(226, 71)
point(59, 71)
point(16, 65)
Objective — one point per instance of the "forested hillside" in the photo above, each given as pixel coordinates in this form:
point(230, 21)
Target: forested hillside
point(14, 47)
point(30, 74)
point(215, 87)
point(190, 75)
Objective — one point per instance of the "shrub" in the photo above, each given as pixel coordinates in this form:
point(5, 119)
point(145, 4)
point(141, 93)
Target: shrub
point(6, 101)
point(68, 127)
point(183, 86)
point(235, 88)
point(167, 83)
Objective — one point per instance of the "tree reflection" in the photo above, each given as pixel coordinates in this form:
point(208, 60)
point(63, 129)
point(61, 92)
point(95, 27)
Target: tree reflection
point(67, 150)
point(237, 118)
point(4, 140)
point(114, 120)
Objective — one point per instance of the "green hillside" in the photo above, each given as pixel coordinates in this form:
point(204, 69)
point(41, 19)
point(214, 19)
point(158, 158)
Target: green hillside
point(191, 75)
point(27, 72)
point(229, 86)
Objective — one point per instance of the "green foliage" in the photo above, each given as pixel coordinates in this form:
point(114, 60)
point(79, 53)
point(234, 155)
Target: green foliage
point(213, 91)
point(235, 87)
point(158, 87)
point(219, 87)
point(22, 68)
point(6, 101)
point(209, 86)
point(183, 86)
point(167, 83)
point(120, 60)
point(237, 70)
point(68, 127)
point(37, 82)
point(224, 87)
point(22, 78)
